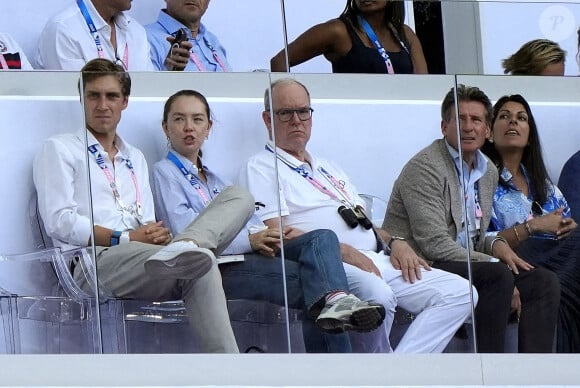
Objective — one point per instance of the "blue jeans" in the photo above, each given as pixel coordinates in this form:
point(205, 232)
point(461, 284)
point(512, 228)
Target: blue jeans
point(313, 269)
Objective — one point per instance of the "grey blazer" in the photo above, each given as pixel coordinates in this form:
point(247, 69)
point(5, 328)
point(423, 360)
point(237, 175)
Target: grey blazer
point(425, 206)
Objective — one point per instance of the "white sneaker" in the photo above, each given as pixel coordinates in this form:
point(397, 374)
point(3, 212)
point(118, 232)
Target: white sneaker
point(351, 313)
point(180, 260)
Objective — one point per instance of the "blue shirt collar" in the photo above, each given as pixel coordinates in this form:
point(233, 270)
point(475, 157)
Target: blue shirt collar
point(171, 25)
point(188, 164)
point(506, 175)
point(480, 160)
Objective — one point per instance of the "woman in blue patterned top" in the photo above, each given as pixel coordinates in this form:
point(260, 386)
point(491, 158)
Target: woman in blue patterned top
point(531, 213)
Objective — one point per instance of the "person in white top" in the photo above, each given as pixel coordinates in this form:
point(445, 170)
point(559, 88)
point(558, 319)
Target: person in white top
point(136, 257)
point(314, 194)
point(12, 57)
point(91, 29)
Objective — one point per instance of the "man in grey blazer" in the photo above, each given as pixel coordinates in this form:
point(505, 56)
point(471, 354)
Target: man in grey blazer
point(426, 207)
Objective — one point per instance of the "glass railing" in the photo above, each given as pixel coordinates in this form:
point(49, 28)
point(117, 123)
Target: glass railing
point(367, 125)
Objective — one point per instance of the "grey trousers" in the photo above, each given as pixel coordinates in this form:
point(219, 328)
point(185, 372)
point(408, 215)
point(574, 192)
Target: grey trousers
point(121, 271)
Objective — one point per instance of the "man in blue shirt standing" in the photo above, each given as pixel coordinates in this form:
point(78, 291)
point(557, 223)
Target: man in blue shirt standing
point(202, 50)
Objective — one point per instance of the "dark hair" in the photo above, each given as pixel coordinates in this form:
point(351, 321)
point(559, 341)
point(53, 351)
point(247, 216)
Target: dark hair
point(533, 57)
point(281, 81)
point(394, 16)
point(532, 157)
point(465, 93)
point(186, 93)
point(100, 67)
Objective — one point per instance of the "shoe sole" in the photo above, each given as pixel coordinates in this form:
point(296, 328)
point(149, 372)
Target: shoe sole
point(186, 265)
point(362, 321)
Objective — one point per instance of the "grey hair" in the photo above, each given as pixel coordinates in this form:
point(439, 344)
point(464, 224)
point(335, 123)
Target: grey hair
point(281, 81)
point(465, 93)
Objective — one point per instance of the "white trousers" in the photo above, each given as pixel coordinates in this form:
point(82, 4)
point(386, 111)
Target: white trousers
point(441, 302)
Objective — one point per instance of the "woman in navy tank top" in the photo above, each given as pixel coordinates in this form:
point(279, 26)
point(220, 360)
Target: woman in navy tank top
point(368, 37)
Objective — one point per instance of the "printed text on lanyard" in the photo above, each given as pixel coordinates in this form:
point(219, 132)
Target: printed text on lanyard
point(373, 37)
point(190, 177)
point(137, 211)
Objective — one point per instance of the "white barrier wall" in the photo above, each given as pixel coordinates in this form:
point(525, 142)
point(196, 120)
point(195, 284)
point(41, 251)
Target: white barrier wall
point(557, 21)
point(479, 34)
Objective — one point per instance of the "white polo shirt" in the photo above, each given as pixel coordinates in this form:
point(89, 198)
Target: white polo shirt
point(66, 43)
point(304, 206)
point(61, 181)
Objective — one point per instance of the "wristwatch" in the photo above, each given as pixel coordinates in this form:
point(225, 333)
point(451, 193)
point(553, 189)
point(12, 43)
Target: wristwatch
point(115, 236)
point(390, 243)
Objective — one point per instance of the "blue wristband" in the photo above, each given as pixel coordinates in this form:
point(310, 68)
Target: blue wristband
point(115, 237)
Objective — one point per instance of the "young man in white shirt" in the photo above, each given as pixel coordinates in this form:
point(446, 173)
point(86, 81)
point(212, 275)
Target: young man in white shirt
point(314, 194)
point(136, 257)
point(93, 29)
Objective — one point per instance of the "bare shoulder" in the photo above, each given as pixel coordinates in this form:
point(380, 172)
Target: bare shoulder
point(338, 38)
point(332, 30)
point(337, 26)
point(409, 33)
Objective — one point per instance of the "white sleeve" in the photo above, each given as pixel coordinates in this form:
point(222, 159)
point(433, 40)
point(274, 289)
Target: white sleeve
point(57, 174)
point(58, 49)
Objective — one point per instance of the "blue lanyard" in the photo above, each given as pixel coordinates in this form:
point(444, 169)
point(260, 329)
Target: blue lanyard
point(91, 26)
point(190, 177)
point(373, 37)
point(194, 57)
point(88, 19)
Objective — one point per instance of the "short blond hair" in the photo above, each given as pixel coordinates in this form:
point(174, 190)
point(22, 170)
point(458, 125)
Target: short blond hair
point(533, 57)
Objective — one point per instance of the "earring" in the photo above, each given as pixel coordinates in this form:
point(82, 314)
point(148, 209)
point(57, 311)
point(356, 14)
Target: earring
point(168, 143)
point(490, 140)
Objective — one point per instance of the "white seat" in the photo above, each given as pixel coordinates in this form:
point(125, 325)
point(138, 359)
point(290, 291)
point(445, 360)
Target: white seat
point(43, 314)
point(256, 324)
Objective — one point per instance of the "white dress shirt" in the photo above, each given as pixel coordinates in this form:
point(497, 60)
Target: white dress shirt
point(61, 181)
point(66, 43)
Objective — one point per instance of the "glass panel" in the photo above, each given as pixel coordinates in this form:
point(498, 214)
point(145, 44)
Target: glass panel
point(157, 314)
point(238, 27)
point(44, 309)
point(550, 121)
point(323, 37)
point(457, 37)
point(481, 50)
point(353, 126)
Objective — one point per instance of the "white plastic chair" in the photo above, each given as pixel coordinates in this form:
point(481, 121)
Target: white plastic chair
point(43, 313)
point(126, 323)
